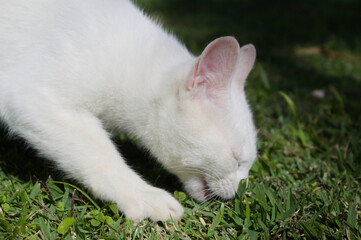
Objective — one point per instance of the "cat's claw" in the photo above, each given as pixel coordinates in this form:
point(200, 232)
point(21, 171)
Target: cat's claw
point(155, 204)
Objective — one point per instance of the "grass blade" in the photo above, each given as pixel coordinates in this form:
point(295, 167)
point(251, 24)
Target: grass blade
point(81, 191)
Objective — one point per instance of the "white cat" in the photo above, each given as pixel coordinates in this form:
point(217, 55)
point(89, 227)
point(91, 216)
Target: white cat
point(72, 71)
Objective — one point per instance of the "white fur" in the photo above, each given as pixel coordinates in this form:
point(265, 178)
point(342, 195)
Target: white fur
point(72, 71)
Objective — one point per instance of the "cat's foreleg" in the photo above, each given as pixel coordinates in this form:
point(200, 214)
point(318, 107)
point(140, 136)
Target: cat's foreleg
point(76, 141)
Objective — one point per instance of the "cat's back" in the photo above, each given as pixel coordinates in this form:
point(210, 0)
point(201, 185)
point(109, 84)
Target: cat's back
point(52, 47)
point(52, 26)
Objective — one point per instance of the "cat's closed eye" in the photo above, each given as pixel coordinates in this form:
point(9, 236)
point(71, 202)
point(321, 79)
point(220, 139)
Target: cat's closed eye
point(236, 158)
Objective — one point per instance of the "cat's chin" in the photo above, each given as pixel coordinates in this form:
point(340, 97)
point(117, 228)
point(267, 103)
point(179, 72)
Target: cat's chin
point(203, 190)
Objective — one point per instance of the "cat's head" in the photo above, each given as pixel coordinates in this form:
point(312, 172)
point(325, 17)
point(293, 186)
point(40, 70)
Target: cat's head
point(212, 144)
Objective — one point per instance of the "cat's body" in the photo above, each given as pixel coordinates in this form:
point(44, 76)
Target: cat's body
point(73, 71)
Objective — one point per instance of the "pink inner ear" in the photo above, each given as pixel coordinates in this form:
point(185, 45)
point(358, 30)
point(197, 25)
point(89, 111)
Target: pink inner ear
point(216, 65)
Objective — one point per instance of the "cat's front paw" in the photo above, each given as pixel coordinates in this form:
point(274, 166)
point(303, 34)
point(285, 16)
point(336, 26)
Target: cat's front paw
point(155, 204)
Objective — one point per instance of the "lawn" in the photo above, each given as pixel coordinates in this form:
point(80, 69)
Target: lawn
point(305, 94)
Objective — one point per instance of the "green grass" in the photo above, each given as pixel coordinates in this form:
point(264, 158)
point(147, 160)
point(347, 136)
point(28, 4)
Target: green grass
point(305, 183)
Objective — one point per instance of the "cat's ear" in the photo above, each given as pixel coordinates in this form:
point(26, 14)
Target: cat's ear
point(221, 61)
point(246, 61)
point(214, 68)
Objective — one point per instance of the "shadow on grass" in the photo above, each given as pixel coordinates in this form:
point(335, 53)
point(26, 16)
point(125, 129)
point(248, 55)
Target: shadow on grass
point(144, 164)
point(21, 161)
